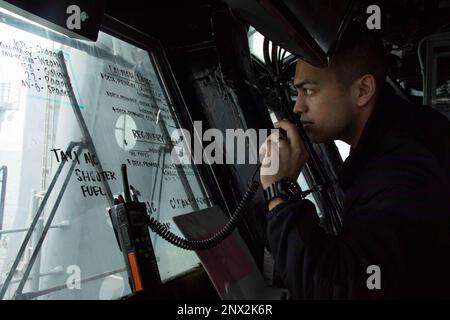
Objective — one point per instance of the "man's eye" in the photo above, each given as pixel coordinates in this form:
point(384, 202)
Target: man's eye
point(308, 92)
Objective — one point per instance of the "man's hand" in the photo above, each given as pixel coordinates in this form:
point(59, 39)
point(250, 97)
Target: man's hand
point(291, 153)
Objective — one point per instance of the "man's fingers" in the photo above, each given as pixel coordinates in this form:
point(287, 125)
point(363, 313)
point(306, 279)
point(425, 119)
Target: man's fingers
point(266, 147)
point(289, 127)
point(292, 133)
point(271, 161)
point(272, 144)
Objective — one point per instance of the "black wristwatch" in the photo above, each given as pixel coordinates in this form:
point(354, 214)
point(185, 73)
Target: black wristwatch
point(286, 189)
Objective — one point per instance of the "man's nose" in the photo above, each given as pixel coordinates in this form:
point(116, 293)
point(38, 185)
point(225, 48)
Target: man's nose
point(300, 105)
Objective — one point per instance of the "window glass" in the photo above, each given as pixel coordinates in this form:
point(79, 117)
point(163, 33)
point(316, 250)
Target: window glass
point(344, 149)
point(256, 43)
point(442, 92)
point(123, 116)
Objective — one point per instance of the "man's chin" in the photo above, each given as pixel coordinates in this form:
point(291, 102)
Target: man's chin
point(312, 137)
point(317, 139)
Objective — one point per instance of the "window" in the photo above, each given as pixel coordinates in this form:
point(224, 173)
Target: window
point(65, 159)
point(256, 43)
point(436, 72)
point(442, 91)
point(343, 148)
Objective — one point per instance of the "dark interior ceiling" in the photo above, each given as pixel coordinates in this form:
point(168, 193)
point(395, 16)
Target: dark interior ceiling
point(176, 23)
point(179, 23)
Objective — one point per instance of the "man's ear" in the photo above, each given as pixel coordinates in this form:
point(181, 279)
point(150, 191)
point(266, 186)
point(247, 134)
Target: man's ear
point(364, 89)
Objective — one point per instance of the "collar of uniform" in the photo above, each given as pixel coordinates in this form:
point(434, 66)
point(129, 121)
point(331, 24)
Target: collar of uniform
point(386, 114)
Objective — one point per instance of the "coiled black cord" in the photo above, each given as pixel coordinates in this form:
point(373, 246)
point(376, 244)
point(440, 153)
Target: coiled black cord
point(213, 241)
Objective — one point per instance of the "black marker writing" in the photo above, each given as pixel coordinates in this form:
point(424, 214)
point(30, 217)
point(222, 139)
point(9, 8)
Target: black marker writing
point(93, 176)
point(92, 191)
point(66, 156)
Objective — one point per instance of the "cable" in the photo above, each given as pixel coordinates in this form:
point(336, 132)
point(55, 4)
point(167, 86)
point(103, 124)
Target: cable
point(195, 245)
point(213, 241)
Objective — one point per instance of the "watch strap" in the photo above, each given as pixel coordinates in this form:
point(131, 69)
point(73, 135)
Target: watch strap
point(283, 189)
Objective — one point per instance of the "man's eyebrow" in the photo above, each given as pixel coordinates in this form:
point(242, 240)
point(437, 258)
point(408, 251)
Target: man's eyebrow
point(302, 83)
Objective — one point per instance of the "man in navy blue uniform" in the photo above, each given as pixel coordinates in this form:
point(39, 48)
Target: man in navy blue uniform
point(396, 185)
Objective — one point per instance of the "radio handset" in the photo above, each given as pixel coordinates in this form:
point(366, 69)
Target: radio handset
point(283, 134)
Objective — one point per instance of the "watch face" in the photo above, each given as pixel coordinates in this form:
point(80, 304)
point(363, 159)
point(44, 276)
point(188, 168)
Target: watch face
point(289, 189)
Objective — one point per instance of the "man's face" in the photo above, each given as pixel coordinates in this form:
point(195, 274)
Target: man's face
point(325, 105)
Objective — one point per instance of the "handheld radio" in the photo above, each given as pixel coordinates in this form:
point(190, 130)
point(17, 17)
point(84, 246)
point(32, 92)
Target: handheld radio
point(129, 219)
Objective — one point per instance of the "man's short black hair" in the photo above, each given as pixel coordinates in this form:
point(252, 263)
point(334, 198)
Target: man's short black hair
point(360, 51)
